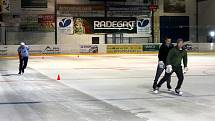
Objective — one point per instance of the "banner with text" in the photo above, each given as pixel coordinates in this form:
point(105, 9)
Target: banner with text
point(29, 23)
point(46, 22)
point(43, 22)
point(34, 3)
point(174, 6)
point(144, 26)
point(85, 25)
point(124, 49)
point(88, 49)
point(151, 47)
point(3, 50)
point(65, 25)
point(74, 9)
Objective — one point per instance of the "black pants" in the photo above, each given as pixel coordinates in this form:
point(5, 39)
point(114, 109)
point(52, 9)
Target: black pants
point(157, 76)
point(179, 73)
point(23, 61)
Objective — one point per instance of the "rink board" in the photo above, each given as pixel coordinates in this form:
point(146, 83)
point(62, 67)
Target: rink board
point(11, 50)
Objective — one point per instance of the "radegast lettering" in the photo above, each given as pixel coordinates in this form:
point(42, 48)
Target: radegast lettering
point(120, 25)
point(91, 25)
point(114, 25)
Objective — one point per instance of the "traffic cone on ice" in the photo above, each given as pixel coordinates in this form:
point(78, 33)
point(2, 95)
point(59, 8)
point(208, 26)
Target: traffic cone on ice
point(58, 77)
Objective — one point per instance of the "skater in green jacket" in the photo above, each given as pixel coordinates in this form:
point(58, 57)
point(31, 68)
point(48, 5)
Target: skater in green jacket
point(173, 62)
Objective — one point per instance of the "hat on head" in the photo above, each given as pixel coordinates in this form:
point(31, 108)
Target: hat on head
point(22, 43)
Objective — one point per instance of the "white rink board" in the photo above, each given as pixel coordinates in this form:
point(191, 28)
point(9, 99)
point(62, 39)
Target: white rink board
point(11, 50)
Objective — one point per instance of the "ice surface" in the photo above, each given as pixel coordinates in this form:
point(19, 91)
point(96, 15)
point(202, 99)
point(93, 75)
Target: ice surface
point(104, 88)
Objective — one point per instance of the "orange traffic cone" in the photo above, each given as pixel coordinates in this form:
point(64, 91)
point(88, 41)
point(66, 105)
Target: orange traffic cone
point(58, 77)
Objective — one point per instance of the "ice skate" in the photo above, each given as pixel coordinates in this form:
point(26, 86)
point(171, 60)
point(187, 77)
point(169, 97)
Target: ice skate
point(156, 90)
point(23, 71)
point(169, 90)
point(178, 92)
point(154, 86)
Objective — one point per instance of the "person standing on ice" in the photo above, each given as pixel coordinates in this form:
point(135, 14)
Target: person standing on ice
point(162, 56)
point(23, 52)
point(174, 59)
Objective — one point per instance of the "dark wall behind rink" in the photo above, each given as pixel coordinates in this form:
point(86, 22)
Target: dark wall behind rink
point(174, 27)
point(206, 19)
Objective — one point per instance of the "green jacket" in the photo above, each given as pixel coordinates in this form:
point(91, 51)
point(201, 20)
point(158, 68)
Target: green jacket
point(175, 57)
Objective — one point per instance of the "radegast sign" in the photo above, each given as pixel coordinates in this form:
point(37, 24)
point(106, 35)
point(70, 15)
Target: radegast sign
point(117, 25)
point(105, 25)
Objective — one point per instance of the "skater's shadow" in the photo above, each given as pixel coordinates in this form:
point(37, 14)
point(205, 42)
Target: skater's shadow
point(169, 93)
point(10, 75)
point(164, 92)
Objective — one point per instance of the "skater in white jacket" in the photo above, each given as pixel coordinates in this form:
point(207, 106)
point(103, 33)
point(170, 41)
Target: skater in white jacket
point(23, 52)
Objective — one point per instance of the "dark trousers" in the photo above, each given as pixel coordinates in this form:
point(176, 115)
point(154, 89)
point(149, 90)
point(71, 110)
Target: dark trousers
point(157, 76)
point(23, 61)
point(179, 73)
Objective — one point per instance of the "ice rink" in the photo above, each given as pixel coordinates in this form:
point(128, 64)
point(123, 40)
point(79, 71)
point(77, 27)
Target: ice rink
point(104, 88)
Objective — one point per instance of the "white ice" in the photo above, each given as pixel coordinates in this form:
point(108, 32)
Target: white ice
point(104, 88)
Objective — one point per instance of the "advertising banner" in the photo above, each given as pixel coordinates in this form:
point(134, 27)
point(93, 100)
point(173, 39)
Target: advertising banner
point(11, 20)
point(65, 25)
point(29, 23)
point(34, 3)
point(151, 47)
point(144, 26)
point(52, 50)
point(117, 7)
point(128, 10)
point(92, 25)
point(71, 9)
point(174, 6)
point(45, 49)
point(88, 49)
point(192, 47)
point(43, 22)
point(124, 49)
point(3, 50)
point(46, 22)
